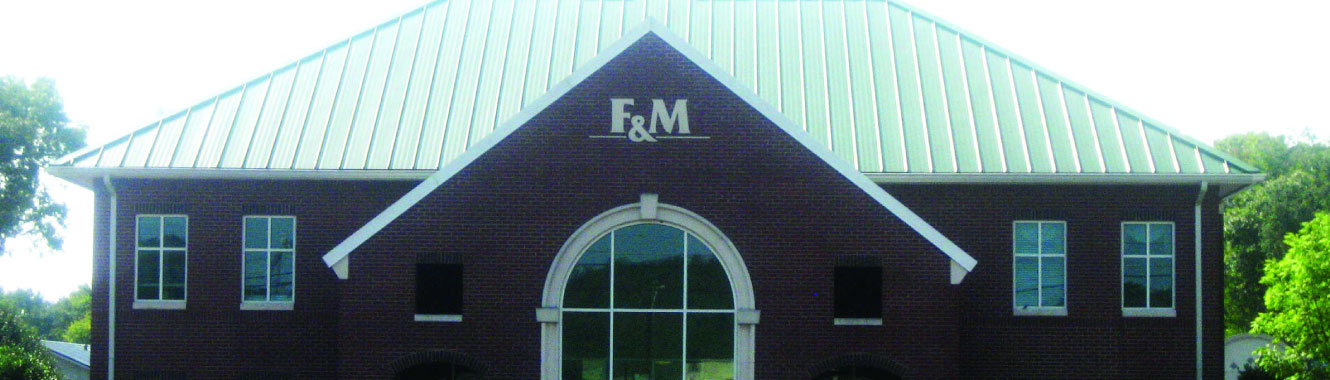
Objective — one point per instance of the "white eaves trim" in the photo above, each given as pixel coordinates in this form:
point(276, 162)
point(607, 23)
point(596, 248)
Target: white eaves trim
point(337, 257)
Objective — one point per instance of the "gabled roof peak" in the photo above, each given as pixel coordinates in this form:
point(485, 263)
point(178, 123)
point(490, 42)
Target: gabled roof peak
point(338, 258)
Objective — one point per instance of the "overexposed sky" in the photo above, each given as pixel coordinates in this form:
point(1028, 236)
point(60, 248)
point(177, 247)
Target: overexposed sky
point(1206, 68)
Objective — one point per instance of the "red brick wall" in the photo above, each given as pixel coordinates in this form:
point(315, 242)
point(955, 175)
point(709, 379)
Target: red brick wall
point(1094, 340)
point(212, 338)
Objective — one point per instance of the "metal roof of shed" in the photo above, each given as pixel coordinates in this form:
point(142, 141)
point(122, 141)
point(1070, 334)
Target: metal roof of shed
point(885, 87)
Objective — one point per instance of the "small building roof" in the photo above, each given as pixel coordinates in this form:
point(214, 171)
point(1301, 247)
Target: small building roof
point(891, 90)
point(75, 352)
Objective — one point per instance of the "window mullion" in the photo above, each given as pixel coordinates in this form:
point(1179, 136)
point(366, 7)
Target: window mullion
point(1148, 278)
point(267, 291)
point(161, 258)
point(1039, 265)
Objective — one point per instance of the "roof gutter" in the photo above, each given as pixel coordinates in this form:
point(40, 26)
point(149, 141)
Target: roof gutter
point(1200, 312)
point(110, 256)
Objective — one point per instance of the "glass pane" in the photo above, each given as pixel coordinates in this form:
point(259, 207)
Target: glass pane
point(256, 232)
point(1133, 239)
point(1054, 238)
point(589, 284)
point(648, 267)
point(1161, 239)
point(149, 276)
point(173, 275)
point(1161, 282)
point(1026, 238)
point(439, 289)
point(175, 231)
point(1053, 281)
point(282, 270)
point(1027, 282)
point(857, 292)
point(256, 276)
point(648, 346)
point(710, 346)
point(284, 233)
point(150, 231)
point(586, 346)
point(708, 285)
point(1133, 282)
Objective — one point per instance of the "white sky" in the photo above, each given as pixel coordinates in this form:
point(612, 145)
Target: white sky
point(1207, 68)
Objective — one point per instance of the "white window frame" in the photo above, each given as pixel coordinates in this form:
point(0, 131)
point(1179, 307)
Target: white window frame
point(268, 303)
point(1147, 311)
point(159, 303)
point(649, 209)
point(1051, 311)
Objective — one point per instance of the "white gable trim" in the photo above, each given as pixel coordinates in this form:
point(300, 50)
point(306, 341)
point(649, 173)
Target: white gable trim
point(338, 256)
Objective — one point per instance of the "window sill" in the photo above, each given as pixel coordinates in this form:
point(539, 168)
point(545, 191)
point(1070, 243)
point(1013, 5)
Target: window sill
point(1040, 312)
point(438, 317)
point(858, 321)
point(267, 305)
point(159, 305)
point(1139, 312)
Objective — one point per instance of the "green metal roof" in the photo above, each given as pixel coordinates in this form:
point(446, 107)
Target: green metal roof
point(885, 87)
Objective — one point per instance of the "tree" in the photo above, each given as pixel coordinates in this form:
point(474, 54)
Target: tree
point(21, 356)
point(1256, 220)
point(1299, 311)
point(51, 322)
point(33, 132)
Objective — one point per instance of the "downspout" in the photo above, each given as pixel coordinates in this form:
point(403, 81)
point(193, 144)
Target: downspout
point(1200, 198)
point(110, 305)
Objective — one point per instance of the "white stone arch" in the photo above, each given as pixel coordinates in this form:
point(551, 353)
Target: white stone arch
point(648, 210)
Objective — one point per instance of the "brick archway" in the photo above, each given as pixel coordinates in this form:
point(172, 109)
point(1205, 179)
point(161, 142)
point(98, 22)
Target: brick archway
point(414, 360)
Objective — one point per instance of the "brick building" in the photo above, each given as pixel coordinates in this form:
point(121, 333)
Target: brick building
point(658, 190)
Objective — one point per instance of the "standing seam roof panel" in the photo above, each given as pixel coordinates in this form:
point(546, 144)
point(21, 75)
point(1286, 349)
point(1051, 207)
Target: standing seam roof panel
point(884, 86)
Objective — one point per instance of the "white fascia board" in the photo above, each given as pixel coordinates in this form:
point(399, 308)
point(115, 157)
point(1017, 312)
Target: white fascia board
point(342, 251)
point(86, 177)
point(1063, 178)
point(856, 177)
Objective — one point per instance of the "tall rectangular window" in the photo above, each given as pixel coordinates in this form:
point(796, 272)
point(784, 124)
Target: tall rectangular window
point(160, 255)
point(1039, 267)
point(1147, 269)
point(438, 288)
point(857, 293)
point(269, 259)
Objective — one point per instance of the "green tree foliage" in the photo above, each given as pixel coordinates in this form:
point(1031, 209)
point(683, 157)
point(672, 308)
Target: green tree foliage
point(33, 132)
point(79, 331)
point(51, 321)
point(1256, 220)
point(21, 355)
point(1299, 309)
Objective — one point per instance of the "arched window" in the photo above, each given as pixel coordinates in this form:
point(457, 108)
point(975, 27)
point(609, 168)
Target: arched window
point(648, 301)
point(648, 291)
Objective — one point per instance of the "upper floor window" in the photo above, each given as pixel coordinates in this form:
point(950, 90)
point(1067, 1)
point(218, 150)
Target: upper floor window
point(160, 252)
point(269, 262)
point(1039, 267)
point(857, 293)
point(438, 288)
point(1147, 269)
